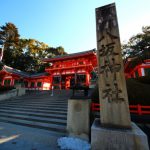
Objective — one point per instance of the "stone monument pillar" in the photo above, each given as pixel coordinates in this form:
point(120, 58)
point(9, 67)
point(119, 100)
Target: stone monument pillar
point(114, 130)
point(112, 89)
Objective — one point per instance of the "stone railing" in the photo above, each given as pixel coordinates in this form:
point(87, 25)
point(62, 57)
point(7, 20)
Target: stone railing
point(12, 93)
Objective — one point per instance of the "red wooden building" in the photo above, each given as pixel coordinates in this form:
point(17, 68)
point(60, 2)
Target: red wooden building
point(10, 77)
point(137, 67)
point(71, 69)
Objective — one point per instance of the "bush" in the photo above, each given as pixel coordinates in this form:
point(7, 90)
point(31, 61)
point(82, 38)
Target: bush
point(6, 88)
point(138, 91)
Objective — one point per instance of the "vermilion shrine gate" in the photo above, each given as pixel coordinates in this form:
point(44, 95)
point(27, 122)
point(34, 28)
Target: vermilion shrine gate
point(72, 69)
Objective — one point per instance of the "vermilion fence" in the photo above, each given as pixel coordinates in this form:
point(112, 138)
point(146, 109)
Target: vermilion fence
point(136, 109)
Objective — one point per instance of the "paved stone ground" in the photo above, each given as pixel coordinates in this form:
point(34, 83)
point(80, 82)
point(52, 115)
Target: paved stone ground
point(16, 137)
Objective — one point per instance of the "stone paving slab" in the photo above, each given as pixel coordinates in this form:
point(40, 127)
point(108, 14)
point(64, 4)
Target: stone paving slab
point(15, 137)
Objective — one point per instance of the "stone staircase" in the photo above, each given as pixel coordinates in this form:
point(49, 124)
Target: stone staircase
point(38, 110)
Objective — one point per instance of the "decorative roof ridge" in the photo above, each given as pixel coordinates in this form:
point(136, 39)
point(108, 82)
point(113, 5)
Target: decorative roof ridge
point(70, 55)
point(22, 73)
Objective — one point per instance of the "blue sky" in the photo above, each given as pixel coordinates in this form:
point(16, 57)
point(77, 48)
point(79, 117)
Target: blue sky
point(71, 23)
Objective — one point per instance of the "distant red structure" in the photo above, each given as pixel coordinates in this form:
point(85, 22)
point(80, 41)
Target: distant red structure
point(10, 77)
point(136, 67)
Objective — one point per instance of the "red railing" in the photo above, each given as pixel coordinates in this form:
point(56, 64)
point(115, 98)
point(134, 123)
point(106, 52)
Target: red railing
point(136, 109)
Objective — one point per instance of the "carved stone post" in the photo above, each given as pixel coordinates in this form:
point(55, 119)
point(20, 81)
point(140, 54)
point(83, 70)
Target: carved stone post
point(115, 130)
point(112, 85)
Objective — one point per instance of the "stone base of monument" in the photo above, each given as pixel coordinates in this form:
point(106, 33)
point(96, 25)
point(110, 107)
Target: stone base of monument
point(117, 139)
point(78, 123)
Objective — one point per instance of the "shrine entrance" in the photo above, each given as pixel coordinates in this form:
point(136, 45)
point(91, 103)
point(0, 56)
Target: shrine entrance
point(69, 80)
point(63, 81)
point(81, 79)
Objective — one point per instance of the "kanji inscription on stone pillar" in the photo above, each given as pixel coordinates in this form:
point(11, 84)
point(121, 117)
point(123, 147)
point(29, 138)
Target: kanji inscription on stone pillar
point(112, 86)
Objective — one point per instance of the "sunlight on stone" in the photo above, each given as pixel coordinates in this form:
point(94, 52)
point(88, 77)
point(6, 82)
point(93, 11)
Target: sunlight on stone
point(4, 139)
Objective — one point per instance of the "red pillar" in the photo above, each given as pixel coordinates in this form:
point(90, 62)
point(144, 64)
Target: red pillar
point(3, 82)
point(11, 82)
point(50, 80)
point(42, 84)
point(87, 78)
point(60, 81)
point(75, 76)
point(35, 85)
point(29, 84)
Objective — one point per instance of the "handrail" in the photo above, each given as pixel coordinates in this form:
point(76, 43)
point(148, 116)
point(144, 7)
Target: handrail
point(136, 109)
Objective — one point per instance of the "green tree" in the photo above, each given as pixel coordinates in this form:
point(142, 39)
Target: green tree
point(138, 45)
point(35, 51)
point(10, 36)
point(25, 54)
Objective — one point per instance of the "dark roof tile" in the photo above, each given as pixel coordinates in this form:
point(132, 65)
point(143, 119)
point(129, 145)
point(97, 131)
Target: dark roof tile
point(22, 73)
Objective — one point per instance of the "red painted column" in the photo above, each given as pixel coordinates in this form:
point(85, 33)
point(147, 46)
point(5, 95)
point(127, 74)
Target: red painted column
point(29, 84)
point(42, 84)
point(87, 78)
point(3, 82)
point(35, 84)
point(51, 81)
point(11, 82)
point(60, 81)
point(75, 76)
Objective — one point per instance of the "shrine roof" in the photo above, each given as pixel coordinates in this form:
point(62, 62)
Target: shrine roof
point(22, 73)
point(39, 74)
point(70, 56)
point(15, 71)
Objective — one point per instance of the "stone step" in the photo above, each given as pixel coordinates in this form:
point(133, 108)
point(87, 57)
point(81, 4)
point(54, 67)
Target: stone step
point(38, 114)
point(34, 118)
point(47, 95)
point(40, 99)
point(46, 126)
point(36, 103)
point(35, 110)
point(38, 110)
point(38, 107)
